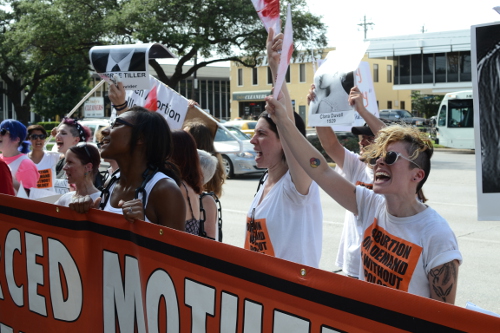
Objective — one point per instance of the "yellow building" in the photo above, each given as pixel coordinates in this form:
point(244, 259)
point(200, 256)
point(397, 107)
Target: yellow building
point(249, 86)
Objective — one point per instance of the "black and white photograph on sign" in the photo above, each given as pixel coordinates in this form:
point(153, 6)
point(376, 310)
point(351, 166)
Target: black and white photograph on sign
point(333, 92)
point(333, 82)
point(119, 60)
point(485, 46)
point(130, 62)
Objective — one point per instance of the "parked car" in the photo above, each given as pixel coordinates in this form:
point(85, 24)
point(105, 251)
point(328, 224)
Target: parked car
point(95, 124)
point(236, 163)
point(402, 116)
point(246, 126)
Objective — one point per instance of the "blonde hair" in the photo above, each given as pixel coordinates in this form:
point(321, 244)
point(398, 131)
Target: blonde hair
point(418, 146)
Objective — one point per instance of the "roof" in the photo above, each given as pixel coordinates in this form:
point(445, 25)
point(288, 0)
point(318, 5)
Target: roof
point(436, 42)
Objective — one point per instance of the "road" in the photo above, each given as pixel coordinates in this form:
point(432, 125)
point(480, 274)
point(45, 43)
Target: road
point(451, 190)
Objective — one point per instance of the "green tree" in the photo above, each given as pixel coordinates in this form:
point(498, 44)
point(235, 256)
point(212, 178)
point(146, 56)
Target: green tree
point(41, 39)
point(427, 105)
point(219, 30)
point(58, 94)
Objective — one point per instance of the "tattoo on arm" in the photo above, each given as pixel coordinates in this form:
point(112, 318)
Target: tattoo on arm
point(444, 278)
point(314, 162)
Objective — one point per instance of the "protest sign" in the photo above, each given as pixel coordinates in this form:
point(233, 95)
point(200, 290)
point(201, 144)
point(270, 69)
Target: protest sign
point(130, 62)
point(485, 52)
point(333, 81)
point(286, 53)
point(363, 79)
point(162, 99)
point(67, 272)
point(269, 13)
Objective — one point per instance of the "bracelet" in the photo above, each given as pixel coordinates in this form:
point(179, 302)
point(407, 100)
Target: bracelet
point(121, 106)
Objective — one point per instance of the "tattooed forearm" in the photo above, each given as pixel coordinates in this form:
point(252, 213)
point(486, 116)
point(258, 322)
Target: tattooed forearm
point(443, 281)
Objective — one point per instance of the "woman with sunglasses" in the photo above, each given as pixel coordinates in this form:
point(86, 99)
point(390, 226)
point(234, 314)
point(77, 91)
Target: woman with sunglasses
point(81, 165)
point(405, 244)
point(146, 187)
point(44, 160)
point(14, 150)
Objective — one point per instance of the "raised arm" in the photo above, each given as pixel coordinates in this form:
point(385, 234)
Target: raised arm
point(311, 160)
point(117, 95)
point(300, 178)
point(356, 100)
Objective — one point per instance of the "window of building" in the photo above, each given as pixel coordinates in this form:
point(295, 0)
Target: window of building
point(389, 73)
point(240, 77)
point(389, 104)
point(428, 67)
point(404, 69)
point(302, 74)
point(403, 105)
point(396, 70)
point(416, 68)
point(287, 76)
point(453, 64)
point(375, 73)
point(465, 66)
point(440, 67)
point(269, 76)
point(255, 79)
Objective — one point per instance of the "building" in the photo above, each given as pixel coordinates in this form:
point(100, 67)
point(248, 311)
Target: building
point(249, 86)
point(433, 63)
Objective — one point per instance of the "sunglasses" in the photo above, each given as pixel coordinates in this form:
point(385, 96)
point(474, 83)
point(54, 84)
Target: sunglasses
point(84, 145)
point(120, 121)
point(4, 131)
point(390, 158)
point(38, 136)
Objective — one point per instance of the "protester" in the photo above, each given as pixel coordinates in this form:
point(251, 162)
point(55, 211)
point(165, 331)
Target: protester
point(6, 186)
point(353, 169)
point(81, 165)
point(146, 188)
point(113, 166)
point(14, 150)
point(205, 141)
point(208, 205)
point(285, 218)
point(67, 134)
point(185, 156)
point(44, 160)
point(406, 245)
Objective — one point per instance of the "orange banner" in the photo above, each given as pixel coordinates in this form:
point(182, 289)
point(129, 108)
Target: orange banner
point(65, 272)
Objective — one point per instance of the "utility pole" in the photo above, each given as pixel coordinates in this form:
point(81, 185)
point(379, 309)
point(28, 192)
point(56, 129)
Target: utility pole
point(365, 25)
point(423, 29)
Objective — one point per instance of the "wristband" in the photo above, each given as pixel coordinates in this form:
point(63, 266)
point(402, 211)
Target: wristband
point(121, 106)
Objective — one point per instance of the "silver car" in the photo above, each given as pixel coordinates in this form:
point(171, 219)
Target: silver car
point(236, 163)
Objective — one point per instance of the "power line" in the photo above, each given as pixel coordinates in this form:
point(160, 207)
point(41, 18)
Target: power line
point(365, 25)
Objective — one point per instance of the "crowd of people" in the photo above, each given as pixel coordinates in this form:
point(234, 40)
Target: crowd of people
point(390, 236)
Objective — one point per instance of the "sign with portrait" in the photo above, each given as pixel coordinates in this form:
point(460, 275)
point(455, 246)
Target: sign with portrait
point(130, 62)
point(485, 52)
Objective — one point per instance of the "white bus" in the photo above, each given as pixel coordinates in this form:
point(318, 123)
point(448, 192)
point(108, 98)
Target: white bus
point(455, 121)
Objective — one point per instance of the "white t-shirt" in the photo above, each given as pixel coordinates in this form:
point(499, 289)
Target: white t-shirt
point(399, 252)
point(66, 198)
point(286, 224)
point(47, 170)
point(349, 255)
